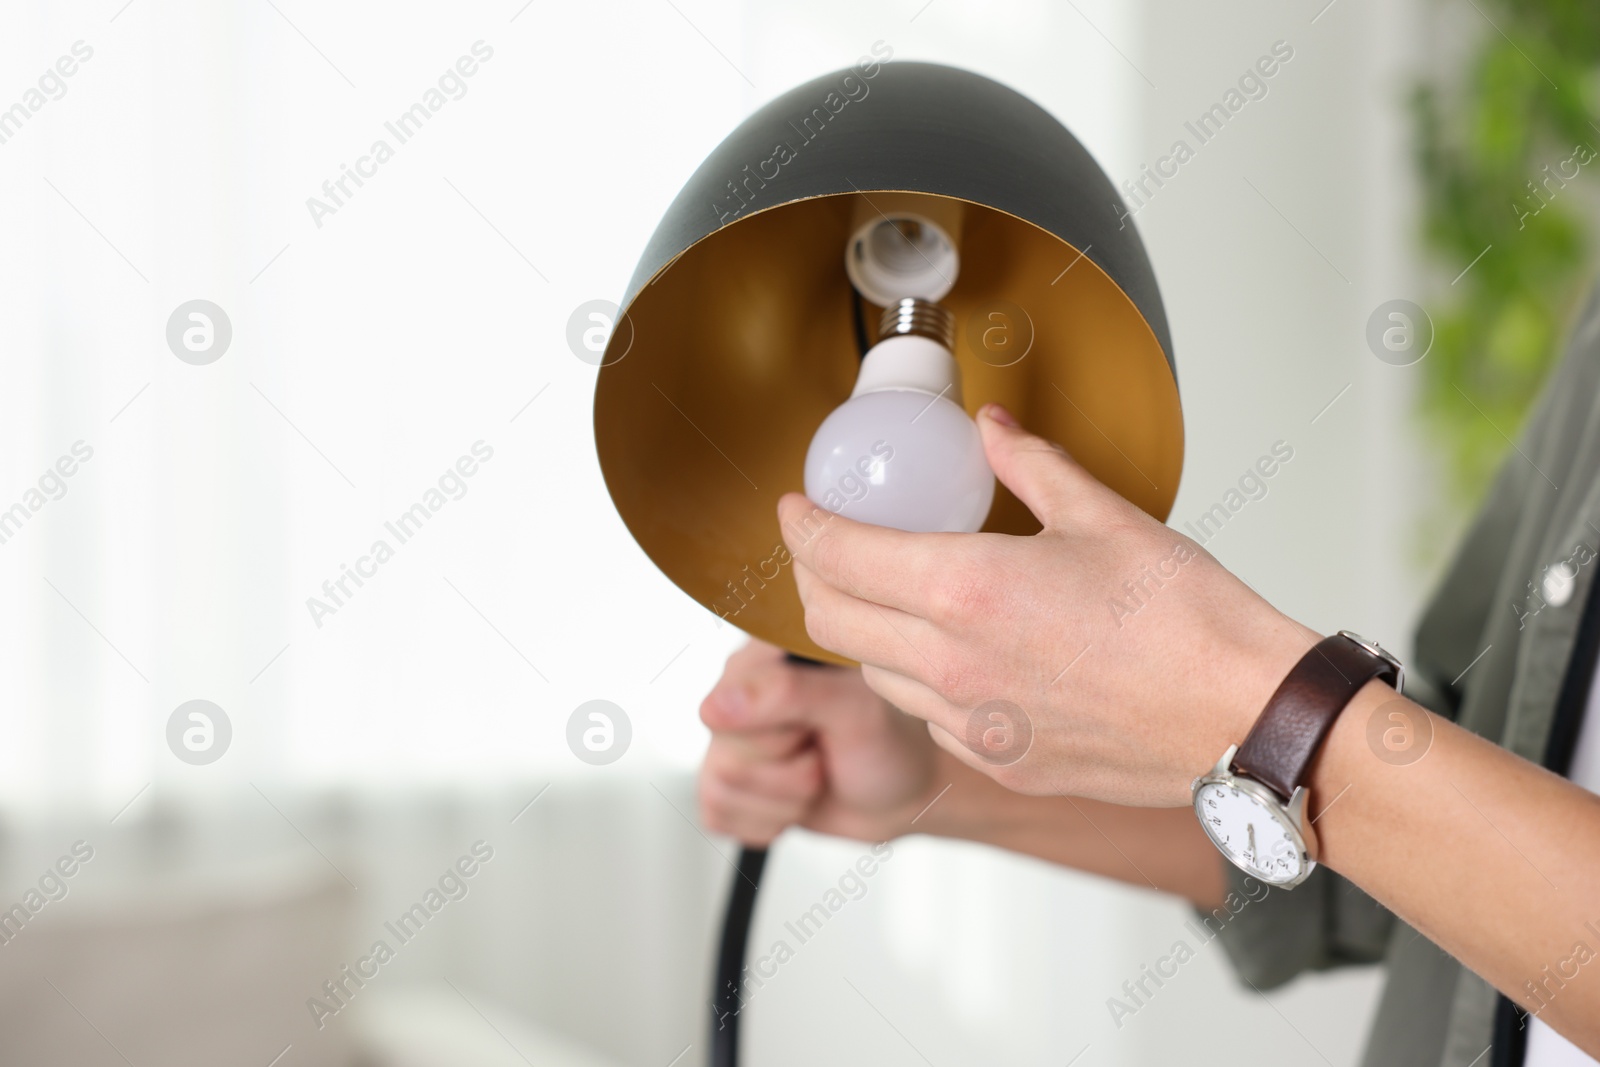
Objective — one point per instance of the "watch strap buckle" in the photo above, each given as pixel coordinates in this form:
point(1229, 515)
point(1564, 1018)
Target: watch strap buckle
point(1382, 653)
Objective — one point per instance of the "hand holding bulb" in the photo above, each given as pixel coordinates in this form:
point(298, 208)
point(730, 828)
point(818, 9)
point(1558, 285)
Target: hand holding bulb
point(943, 625)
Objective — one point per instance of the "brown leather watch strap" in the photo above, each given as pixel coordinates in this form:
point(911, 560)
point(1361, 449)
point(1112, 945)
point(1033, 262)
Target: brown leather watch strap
point(1281, 745)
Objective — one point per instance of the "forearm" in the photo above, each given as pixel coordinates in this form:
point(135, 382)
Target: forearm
point(1158, 848)
point(1493, 858)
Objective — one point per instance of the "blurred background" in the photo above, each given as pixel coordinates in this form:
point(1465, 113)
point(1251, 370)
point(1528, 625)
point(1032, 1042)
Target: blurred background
point(405, 743)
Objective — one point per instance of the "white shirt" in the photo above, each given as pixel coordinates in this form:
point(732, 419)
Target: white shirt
point(1546, 1048)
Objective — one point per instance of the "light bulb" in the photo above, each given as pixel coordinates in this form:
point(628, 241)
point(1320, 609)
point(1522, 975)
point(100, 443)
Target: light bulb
point(902, 451)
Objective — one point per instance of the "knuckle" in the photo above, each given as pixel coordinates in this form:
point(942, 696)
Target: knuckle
point(711, 712)
point(1106, 510)
point(830, 560)
point(819, 549)
point(1047, 453)
point(963, 594)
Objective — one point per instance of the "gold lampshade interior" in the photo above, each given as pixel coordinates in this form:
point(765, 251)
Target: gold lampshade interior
point(740, 347)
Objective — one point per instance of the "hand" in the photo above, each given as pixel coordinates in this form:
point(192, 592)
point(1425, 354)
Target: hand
point(1134, 656)
point(800, 745)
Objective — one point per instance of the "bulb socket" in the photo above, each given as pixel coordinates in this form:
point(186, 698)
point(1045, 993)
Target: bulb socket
point(915, 317)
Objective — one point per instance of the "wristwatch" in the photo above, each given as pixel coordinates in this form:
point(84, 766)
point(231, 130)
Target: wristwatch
point(1252, 804)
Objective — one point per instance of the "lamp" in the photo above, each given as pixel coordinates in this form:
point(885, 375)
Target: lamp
point(743, 324)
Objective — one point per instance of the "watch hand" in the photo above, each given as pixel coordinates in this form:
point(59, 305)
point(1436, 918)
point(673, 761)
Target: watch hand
point(1251, 827)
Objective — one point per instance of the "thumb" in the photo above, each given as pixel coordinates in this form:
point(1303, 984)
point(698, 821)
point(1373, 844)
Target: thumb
point(1041, 473)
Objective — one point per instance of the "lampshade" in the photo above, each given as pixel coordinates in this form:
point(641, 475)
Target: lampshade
point(737, 336)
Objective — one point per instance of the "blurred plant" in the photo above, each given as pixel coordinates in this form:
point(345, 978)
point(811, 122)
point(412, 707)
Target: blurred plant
point(1507, 158)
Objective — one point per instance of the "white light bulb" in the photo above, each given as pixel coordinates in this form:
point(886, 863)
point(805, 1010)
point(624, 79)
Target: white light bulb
point(901, 451)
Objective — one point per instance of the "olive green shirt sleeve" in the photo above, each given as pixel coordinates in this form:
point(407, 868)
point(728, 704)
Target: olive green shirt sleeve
point(1277, 933)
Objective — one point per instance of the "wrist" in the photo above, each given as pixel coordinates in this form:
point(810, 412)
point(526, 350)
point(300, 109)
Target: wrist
point(1255, 672)
point(1349, 772)
point(1260, 802)
point(1344, 751)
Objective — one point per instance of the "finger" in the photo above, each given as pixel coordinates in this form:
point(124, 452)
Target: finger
point(875, 563)
point(763, 692)
point(915, 698)
point(1039, 472)
point(797, 779)
point(864, 631)
point(751, 818)
point(764, 746)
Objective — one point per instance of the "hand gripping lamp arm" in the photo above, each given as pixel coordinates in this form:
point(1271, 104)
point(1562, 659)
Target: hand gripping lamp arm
point(736, 337)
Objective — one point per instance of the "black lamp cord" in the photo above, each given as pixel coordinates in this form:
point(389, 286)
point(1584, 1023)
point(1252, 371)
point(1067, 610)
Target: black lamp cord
point(726, 1001)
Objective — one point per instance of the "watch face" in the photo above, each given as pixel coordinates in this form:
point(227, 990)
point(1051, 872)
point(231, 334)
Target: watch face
point(1255, 834)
